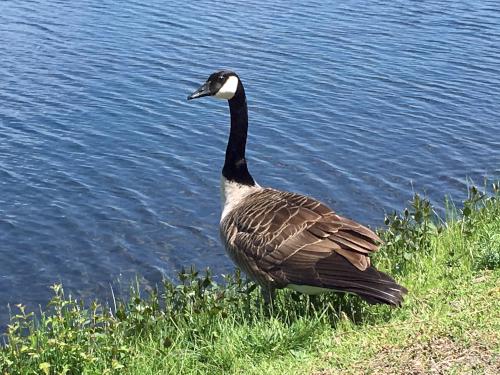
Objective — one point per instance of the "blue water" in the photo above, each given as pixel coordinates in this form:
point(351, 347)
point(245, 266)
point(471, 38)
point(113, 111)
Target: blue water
point(106, 171)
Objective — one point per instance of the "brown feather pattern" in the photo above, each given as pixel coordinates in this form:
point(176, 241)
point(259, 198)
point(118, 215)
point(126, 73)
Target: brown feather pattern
point(280, 238)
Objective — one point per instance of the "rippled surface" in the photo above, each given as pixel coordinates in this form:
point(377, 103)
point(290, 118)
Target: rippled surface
point(107, 171)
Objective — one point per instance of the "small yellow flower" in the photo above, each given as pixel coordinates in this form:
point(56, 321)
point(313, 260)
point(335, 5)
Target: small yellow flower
point(45, 367)
point(116, 365)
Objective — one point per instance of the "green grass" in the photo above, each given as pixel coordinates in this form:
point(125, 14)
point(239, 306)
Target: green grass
point(449, 322)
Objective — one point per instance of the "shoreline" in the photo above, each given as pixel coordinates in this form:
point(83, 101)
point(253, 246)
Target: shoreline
point(448, 323)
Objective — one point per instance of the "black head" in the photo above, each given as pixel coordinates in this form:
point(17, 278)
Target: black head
point(222, 85)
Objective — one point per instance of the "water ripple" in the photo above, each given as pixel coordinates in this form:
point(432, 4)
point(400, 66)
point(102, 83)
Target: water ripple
point(106, 171)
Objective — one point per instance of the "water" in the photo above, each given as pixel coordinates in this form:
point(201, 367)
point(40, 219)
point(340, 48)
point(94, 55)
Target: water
point(106, 171)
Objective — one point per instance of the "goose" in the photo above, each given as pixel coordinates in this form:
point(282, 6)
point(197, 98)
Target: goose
point(288, 240)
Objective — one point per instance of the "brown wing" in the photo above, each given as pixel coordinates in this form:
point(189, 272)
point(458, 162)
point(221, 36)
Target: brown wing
point(282, 239)
point(280, 231)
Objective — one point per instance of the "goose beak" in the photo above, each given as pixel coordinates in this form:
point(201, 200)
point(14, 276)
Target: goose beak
point(204, 90)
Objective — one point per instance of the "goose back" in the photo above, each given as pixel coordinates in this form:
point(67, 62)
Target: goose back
point(273, 235)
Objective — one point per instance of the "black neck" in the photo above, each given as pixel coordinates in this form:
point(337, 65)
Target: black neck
point(235, 166)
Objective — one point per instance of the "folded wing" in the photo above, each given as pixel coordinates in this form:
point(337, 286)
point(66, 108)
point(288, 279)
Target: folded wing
point(283, 239)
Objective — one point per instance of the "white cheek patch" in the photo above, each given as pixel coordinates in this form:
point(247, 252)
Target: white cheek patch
point(228, 89)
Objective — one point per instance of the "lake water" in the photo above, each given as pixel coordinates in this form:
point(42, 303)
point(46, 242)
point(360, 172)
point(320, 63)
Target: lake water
point(106, 171)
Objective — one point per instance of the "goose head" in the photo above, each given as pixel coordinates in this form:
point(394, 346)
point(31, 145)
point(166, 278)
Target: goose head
point(221, 85)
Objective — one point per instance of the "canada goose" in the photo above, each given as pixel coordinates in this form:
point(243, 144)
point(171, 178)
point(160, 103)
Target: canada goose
point(288, 240)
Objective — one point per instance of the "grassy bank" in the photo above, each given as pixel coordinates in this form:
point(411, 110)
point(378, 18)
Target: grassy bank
point(449, 322)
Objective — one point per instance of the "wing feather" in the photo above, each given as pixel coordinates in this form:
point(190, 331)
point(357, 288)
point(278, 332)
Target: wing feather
point(279, 229)
point(281, 239)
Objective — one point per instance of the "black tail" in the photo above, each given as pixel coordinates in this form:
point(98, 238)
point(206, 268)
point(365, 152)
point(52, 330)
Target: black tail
point(336, 272)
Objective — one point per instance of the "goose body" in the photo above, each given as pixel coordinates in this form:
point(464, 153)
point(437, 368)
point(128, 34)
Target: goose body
point(287, 240)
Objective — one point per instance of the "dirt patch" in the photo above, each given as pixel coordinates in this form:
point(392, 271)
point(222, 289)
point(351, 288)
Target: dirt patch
point(435, 356)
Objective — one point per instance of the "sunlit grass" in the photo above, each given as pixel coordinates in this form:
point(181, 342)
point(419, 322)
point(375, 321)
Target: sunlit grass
point(199, 326)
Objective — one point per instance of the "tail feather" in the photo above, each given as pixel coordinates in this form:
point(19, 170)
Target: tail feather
point(336, 272)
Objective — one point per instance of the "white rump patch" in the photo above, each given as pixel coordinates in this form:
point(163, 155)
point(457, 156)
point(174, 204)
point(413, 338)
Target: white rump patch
point(308, 289)
point(228, 89)
point(233, 193)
